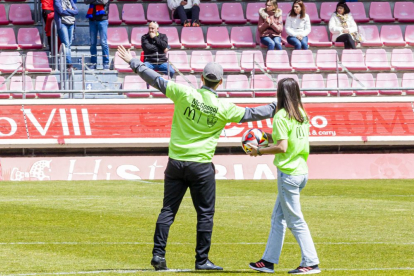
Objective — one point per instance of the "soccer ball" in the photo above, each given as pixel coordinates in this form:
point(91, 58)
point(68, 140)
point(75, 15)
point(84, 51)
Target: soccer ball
point(255, 137)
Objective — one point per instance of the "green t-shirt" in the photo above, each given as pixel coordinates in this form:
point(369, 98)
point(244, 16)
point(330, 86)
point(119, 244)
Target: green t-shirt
point(199, 117)
point(293, 161)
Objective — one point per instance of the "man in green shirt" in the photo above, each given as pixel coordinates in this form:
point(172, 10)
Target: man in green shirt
point(199, 118)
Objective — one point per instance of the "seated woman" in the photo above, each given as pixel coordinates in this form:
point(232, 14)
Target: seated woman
point(298, 26)
point(271, 25)
point(342, 25)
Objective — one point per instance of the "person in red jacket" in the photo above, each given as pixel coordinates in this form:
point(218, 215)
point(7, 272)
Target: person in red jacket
point(47, 14)
point(271, 25)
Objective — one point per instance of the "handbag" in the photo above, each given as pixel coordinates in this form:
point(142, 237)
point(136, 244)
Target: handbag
point(358, 36)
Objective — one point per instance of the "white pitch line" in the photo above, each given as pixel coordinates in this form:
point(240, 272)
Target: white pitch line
point(188, 243)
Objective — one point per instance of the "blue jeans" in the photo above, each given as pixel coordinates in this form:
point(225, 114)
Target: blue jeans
point(272, 43)
point(287, 211)
point(66, 36)
point(298, 44)
point(100, 27)
point(163, 68)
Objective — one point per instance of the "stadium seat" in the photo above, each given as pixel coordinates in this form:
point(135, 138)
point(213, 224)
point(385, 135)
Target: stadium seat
point(242, 37)
point(218, 37)
point(376, 59)
point(277, 61)
point(121, 66)
point(318, 37)
point(238, 82)
point(172, 34)
point(358, 12)
point(302, 60)
point(29, 38)
point(381, 12)
point(191, 78)
point(284, 39)
point(16, 83)
point(326, 10)
point(159, 13)
point(37, 62)
point(47, 83)
point(326, 60)
point(192, 37)
point(133, 14)
point(341, 81)
point(263, 82)
point(179, 60)
point(313, 81)
point(118, 36)
point(403, 11)
point(408, 81)
point(409, 35)
point(199, 59)
point(3, 16)
point(390, 80)
point(247, 63)
point(252, 11)
point(258, 42)
point(136, 35)
point(20, 14)
point(367, 80)
point(113, 17)
point(209, 14)
point(7, 39)
point(158, 95)
point(135, 82)
point(10, 61)
point(285, 7)
point(312, 11)
point(392, 35)
point(353, 60)
point(285, 76)
point(232, 13)
point(228, 60)
point(3, 88)
point(371, 36)
point(402, 59)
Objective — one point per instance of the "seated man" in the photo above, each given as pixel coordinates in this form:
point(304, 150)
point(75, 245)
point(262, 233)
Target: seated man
point(188, 11)
point(155, 47)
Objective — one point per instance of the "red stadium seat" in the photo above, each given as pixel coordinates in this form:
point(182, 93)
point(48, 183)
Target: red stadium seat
point(313, 81)
point(3, 88)
point(37, 62)
point(209, 13)
point(192, 37)
point(409, 34)
point(353, 60)
point(120, 65)
point(277, 61)
point(402, 59)
point(7, 39)
point(371, 36)
point(247, 63)
point(326, 10)
point(403, 11)
point(264, 82)
point(3, 16)
point(172, 34)
point(232, 13)
point(326, 60)
point(318, 37)
point(193, 80)
point(376, 59)
point(16, 83)
point(47, 83)
point(381, 12)
point(113, 17)
point(10, 61)
point(392, 35)
point(218, 37)
point(228, 60)
point(118, 36)
point(312, 11)
point(20, 14)
point(408, 81)
point(368, 81)
point(134, 82)
point(285, 7)
point(133, 14)
point(252, 11)
point(388, 80)
point(238, 82)
point(29, 38)
point(199, 59)
point(341, 81)
point(358, 12)
point(136, 35)
point(302, 60)
point(179, 60)
point(159, 13)
point(242, 37)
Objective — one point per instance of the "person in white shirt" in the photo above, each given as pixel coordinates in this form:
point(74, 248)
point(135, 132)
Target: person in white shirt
point(188, 11)
point(298, 26)
point(342, 25)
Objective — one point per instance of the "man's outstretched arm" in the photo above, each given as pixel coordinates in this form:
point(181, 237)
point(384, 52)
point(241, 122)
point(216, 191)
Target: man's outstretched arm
point(259, 113)
point(148, 75)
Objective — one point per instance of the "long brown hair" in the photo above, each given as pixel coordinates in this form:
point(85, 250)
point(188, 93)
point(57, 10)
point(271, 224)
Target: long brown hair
point(302, 10)
point(288, 97)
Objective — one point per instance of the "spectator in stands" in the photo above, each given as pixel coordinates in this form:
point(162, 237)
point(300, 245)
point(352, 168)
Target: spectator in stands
point(342, 25)
point(271, 25)
point(188, 11)
point(65, 11)
point(48, 15)
point(155, 47)
point(98, 23)
point(298, 26)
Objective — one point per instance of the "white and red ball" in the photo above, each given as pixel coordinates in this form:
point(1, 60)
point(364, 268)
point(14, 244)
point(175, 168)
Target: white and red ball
point(255, 137)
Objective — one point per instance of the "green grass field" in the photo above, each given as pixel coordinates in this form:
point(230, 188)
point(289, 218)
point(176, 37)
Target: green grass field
point(106, 227)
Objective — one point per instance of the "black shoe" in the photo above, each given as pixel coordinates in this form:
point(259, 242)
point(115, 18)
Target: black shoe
point(207, 266)
point(159, 263)
point(306, 270)
point(262, 266)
